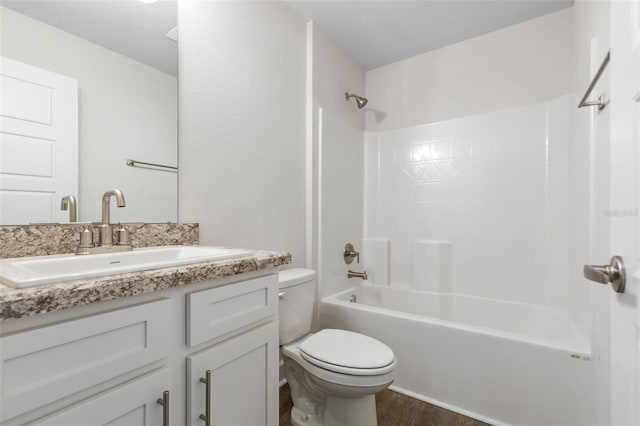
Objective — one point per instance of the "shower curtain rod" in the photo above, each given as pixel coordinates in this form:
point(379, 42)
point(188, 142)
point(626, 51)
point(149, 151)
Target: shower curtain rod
point(602, 100)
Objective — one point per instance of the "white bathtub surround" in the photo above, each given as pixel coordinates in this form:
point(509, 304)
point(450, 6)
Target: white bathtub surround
point(500, 362)
point(495, 186)
point(432, 265)
point(375, 259)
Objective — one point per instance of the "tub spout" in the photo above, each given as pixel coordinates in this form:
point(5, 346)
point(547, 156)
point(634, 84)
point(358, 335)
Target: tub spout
point(353, 274)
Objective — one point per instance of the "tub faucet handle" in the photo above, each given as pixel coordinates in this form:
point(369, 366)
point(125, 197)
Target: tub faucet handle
point(350, 253)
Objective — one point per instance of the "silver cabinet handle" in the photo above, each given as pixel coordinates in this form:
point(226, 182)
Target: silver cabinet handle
point(206, 417)
point(164, 401)
point(613, 273)
point(281, 294)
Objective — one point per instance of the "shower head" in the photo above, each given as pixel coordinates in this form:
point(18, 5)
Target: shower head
point(361, 101)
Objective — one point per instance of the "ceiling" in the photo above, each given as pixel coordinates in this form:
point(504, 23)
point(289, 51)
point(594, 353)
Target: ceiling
point(373, 32)
point(129, 27)
point(376, 33)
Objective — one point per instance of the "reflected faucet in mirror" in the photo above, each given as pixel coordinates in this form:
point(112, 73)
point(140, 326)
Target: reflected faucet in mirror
point(68, 202)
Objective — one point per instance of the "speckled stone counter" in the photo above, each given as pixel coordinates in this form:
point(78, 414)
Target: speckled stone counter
point(43, 240)
point(19, 303)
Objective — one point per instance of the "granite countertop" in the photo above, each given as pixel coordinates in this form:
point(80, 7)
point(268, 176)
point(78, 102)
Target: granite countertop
point(25, 302)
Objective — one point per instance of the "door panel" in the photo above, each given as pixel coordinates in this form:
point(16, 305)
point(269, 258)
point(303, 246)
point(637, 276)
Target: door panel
point(624, 238)
point(38, 143)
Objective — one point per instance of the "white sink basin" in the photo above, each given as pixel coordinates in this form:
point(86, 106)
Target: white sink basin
point(38, 270)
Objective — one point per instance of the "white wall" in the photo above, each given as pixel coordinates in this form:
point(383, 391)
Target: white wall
point(242, 124)
point(337, 140)
point(522, 64)
point(334, 72)
point(126, 110)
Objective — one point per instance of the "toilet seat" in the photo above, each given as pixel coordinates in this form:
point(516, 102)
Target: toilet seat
point(346, 352)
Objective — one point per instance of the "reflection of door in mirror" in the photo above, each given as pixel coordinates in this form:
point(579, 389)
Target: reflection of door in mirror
point(126, 71)
point(38, 143)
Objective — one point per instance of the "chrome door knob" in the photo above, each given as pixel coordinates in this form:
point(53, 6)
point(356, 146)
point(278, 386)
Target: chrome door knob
point(613, 273)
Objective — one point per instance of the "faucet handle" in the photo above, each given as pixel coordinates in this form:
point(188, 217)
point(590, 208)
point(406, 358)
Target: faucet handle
point(86, 238)
point(350, 253)
point(122, 236)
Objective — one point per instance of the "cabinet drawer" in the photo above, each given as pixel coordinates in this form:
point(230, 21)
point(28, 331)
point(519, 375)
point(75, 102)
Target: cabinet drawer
point(46, 364)
point(133, 404)
point(212, 313)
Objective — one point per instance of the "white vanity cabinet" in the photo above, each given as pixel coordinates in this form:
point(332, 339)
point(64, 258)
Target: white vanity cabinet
point(110, 362)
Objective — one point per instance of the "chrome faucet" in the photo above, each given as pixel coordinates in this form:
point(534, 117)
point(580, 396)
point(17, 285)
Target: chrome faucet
point(353, 274)
point(105, 231)
point(68, 202)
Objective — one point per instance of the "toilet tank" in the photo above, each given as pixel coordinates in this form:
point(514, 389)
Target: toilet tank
point(297, 297)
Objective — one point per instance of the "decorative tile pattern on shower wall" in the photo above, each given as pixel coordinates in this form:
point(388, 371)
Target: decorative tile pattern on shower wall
point(494, 186)
point(42, 240)
point(437, 160)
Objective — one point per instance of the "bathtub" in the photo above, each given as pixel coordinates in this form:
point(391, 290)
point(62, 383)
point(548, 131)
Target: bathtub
point(496, 361)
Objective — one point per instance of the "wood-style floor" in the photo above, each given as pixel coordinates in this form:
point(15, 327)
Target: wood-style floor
point(395, 409)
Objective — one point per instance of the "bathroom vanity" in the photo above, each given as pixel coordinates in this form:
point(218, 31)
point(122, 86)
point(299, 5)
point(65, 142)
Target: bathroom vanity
point(194, 344)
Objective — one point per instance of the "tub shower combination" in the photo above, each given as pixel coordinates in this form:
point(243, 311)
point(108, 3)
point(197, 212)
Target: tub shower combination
point(474, 254)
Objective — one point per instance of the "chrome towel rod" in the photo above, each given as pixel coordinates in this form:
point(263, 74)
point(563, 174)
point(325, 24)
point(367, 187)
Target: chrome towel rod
point(602, 100)
point(136, 163)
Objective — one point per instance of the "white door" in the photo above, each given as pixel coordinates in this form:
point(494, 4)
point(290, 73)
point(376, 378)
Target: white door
point(38, 143)
point(623, 210)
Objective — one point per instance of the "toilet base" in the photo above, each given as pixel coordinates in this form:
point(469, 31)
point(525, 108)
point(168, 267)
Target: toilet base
point(340, 412)
point(360, 411)
point(298, 418)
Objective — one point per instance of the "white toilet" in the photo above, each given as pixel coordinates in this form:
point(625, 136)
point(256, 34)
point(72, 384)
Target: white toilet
point(333, 374)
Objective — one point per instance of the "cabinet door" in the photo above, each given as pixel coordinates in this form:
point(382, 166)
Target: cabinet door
point(244, 380)
point(132, 404)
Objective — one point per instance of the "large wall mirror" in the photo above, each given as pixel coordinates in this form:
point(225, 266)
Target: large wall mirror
point(121, 55)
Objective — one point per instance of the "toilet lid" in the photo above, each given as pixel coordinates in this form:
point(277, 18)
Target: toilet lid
point(348, 352)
